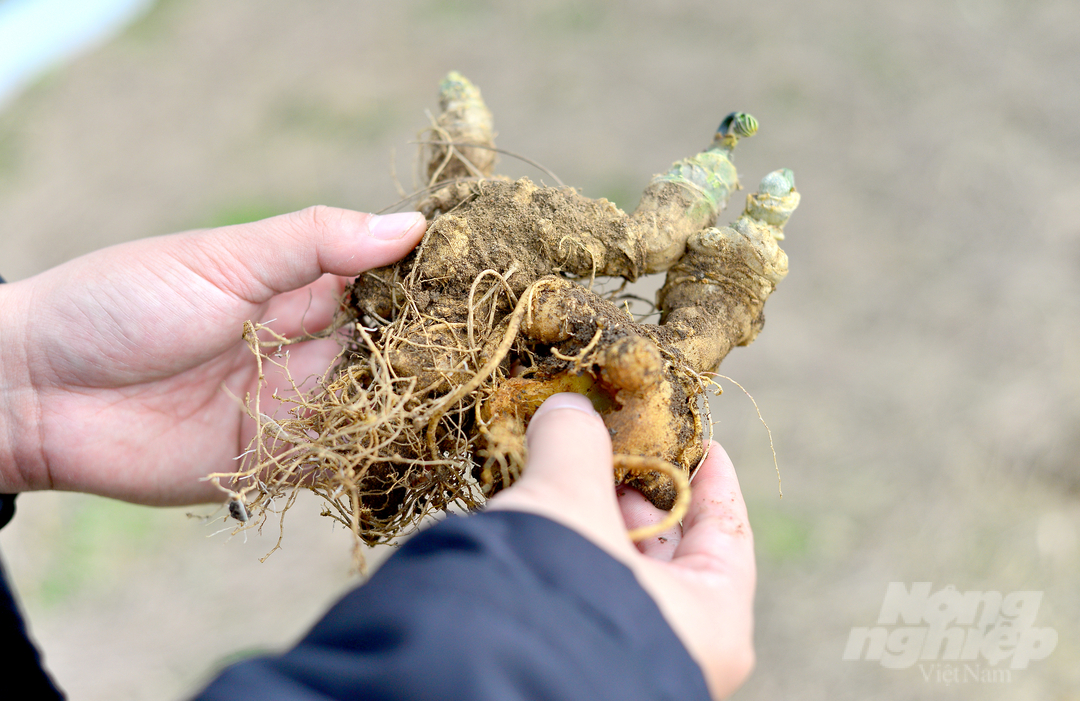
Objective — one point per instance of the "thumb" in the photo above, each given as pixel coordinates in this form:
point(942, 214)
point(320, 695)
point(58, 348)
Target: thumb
point(140, 303)
point(259, 260)
point(569, 476)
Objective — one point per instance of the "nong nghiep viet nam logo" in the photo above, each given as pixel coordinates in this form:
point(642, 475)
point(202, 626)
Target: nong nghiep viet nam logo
point(969, 629)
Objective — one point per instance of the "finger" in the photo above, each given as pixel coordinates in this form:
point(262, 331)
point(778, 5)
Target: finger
point(569, 476)
point(259, 260)
point(707, 590)
point(140, 304)
point(637, 511)
point(716, 530)
point(308, 309)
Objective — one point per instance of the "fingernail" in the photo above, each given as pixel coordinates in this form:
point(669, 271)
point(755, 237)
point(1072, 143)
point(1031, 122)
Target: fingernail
point(391, 227)
point(564, 400)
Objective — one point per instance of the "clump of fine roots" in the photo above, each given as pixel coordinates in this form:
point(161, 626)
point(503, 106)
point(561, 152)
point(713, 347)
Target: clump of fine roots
point(447, 354)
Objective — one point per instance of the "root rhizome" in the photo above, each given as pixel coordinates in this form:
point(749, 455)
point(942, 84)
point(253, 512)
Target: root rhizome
point(447, 354)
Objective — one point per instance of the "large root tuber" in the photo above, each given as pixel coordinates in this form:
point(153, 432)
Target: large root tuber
point(448, 353)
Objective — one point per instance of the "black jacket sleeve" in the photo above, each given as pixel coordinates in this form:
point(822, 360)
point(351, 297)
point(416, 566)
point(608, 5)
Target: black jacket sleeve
point(501, 605)
point(20, 663)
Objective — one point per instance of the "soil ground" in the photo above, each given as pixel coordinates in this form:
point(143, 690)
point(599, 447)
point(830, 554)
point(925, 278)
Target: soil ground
point(920, 367)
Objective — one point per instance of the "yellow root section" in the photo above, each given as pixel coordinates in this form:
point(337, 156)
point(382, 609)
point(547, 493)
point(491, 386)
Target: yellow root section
point(643, 466)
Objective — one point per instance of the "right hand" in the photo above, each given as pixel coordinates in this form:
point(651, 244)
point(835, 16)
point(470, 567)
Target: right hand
point(701, 574)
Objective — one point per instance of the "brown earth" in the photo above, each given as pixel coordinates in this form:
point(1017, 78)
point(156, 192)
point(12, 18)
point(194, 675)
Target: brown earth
point(920, 367)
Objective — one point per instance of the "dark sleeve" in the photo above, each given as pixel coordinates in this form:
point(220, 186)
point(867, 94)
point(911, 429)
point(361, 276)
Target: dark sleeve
point(500, 605)
point(20, 663)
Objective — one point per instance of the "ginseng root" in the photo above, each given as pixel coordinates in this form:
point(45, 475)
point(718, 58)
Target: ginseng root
point(448, 353)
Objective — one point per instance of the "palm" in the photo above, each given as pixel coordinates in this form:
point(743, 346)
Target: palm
point(145, 388)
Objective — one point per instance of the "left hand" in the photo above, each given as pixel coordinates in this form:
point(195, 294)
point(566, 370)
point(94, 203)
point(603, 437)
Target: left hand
point(112, 366)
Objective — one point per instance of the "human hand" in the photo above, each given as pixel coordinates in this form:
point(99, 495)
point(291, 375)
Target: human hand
point(112, 365)
point(701, 575)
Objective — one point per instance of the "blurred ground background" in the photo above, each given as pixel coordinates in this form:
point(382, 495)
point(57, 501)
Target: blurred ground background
point(920, 368)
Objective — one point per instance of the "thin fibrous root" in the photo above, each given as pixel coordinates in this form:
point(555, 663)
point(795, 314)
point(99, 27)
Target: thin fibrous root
point(513, 325)
point(643, 465)
point(772, 446)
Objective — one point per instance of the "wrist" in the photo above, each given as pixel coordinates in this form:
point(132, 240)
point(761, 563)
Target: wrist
point(18, 400)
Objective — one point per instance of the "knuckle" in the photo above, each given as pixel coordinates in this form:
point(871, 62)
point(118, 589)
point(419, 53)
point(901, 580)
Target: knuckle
point(318, 217)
